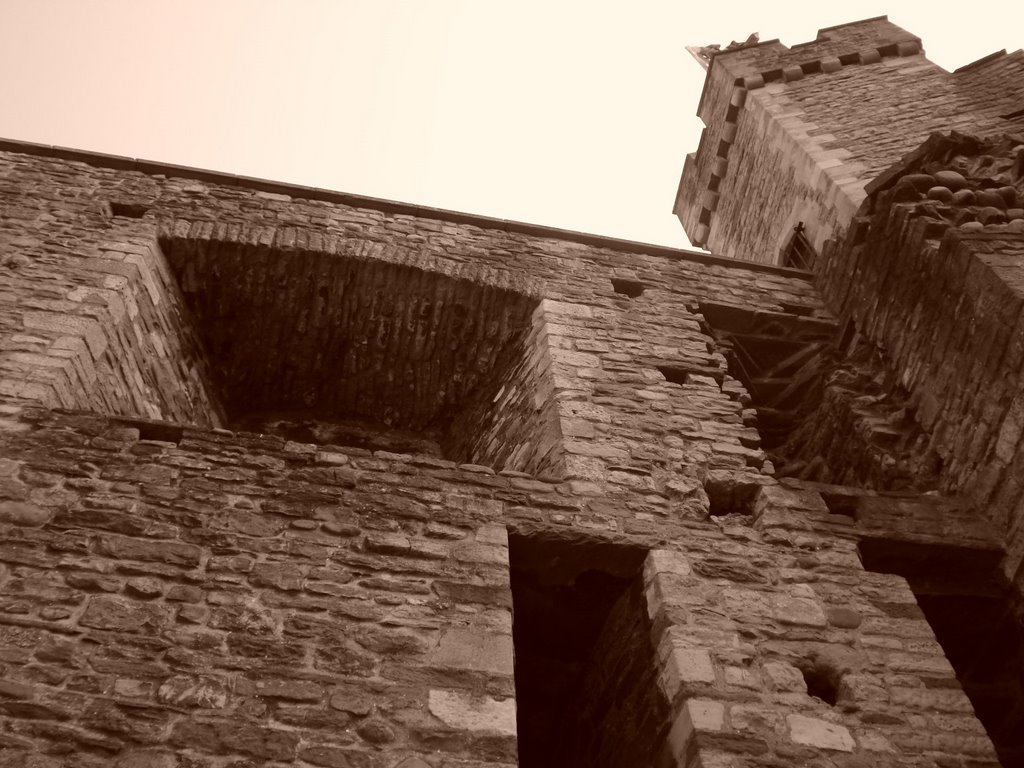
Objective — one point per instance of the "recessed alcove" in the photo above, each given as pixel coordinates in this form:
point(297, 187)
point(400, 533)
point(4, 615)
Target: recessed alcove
point(586, 673)
point(390, 353)
point(975, 615)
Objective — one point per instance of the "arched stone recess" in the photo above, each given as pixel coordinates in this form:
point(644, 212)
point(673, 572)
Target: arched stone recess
point(336, 340)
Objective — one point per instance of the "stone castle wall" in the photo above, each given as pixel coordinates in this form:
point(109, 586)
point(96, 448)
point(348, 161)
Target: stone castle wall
point(176, 591)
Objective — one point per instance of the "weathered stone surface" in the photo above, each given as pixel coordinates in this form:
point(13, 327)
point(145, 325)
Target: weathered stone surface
point(798, 610)
point(338, 757)
point(695, 716)
point(170, 552)
point(474, 713)
point(200, 692)
point(819, 733)
point(478, 651)
point(120, 614)
point(23, 513)
point(784, 677)
point(226, 737)
point(844, 618)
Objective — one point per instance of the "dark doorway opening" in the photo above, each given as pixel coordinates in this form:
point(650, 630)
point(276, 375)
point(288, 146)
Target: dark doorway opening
point(586, 683)
point(976, 617)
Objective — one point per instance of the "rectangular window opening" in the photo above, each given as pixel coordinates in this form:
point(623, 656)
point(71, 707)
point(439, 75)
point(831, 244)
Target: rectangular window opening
point(586, 675)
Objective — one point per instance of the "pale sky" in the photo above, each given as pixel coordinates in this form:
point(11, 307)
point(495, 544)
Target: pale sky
point(568, 113)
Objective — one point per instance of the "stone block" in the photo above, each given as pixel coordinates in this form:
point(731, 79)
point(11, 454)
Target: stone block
point(470, 649)
point(694, 716)
point(661, 561)
point(473, 712)
point(831, 64)
point(118, 614)
point(693, 665)
point(229, 736)
point(566, 309)
point(822, 734)
point(189, 691)
point(683, 665)
point(24, 514)
point(327, 756)
point(783, 677)
point(170, 552)
point(797, 610)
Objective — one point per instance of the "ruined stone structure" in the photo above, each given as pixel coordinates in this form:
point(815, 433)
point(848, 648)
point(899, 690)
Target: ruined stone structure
point(296, 478)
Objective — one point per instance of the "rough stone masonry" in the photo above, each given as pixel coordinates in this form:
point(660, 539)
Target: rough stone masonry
point(291, 477)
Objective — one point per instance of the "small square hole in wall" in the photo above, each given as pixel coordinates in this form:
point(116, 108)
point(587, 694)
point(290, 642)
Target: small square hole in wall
point(730, 495)
point(822, 677)
point(844, 504)
point(674, 374)
point(128, 210)
point(630, 288)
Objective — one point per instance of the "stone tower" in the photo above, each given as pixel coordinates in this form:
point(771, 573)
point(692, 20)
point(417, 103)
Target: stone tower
point(291, 477)
point(795, 136)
